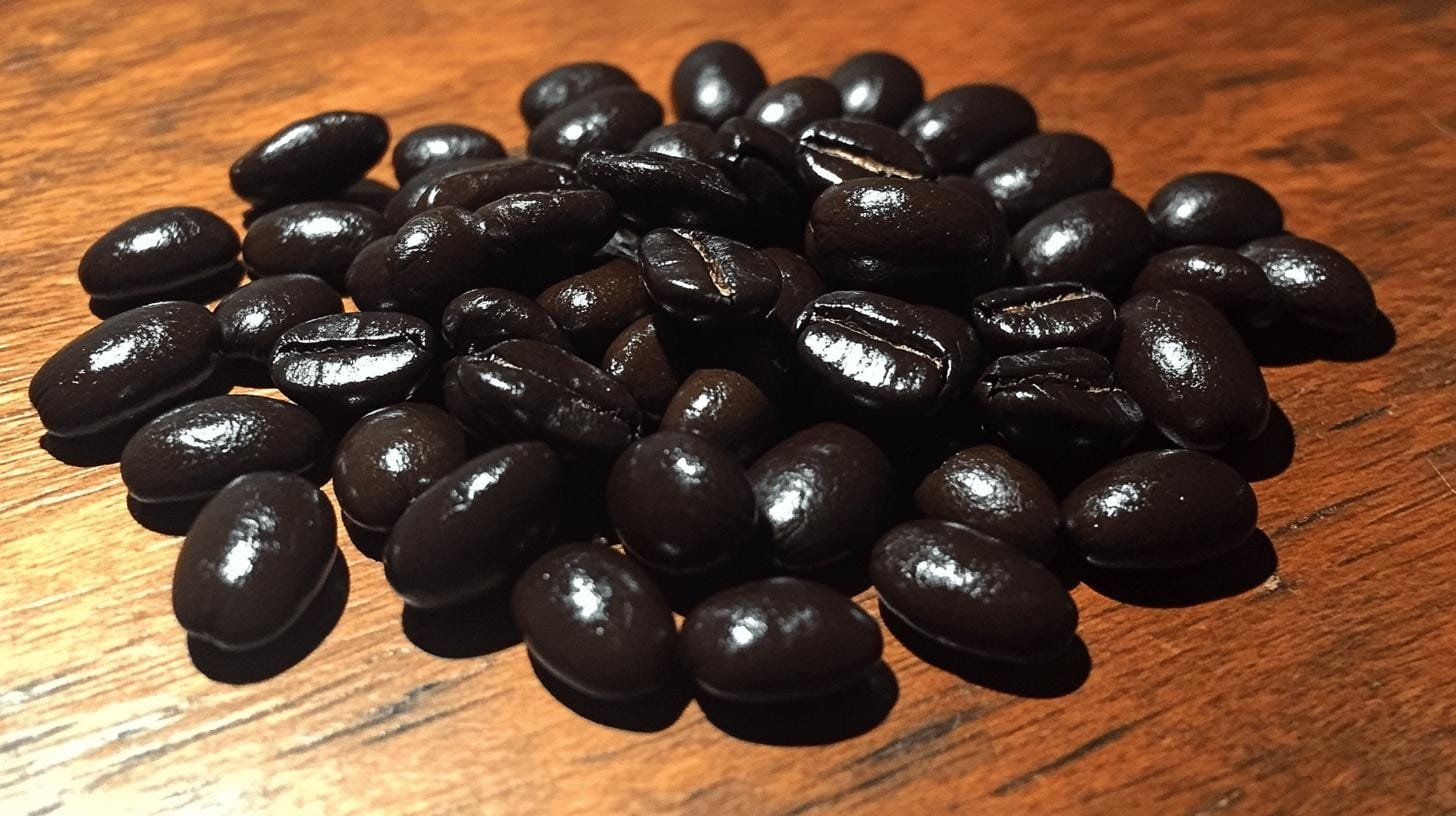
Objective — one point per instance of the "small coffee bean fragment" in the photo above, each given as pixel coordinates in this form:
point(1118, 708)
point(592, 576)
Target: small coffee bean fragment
point(683, 140)
point(1043, 316)
point(346, 365)
point(727, 409)
point(650, 357)
point(1220, 209)
point(391, 456)
point(480, 318)
point(715, 82)
point(836, 150)
point(437, 256)
point(565, 84)
point(655, 190)
point(960, 127)
point(367, 281)
point(790, 105)
point(251, 319)
point(175, 253)
point(312, 158)
point(595, 306)
point(702, 278)
point(1234, 284)
point(1316, 285)
point(1038, 171)
point(609, 119)
point(473, 183)
point(315, 238)
point(878, 86)
point(1101, 238)
point(985, 489)
point(537, 233)
point(798, 285)
point(436, 144)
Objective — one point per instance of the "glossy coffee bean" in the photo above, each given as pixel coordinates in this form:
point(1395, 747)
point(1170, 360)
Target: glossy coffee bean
point(703, 278)
point(126, 370)
point(595, 306)
point(524, 389)
point(193, 450)
point(316, 238)
point(1000, 251)
point(823, 494)
point(375, 195)
point(473, 183)
point(963, 126)
point(609, 119)
point(681, 504)
point(565, 84)
point(650, 358)
point(480, 318)
point(654, 190)
point(791, 104)
point(390, 457)
point(436, 256)
point(683, 140)
point(597, 622)
point(1043, 316)
point(1190, 371)
point(743, 138)
point(835, 150)
point(1220, 209)
point(367, 281)
point(760, 162)
point(535, 233)
point(476, 527)
point(1160, 509)
point(349, 364)
point(1101, 238)
point(986, 489)
point(779, 639)
point(432, 145)
point(312, 158)
point(1316, 285)
point(715, 82)
point(251, 319)
point(175, 253)
point(1038, 171)
point(973, 593)
point(255, 557)
point(727, 409)
point(1234, 284)
point(798, 285)
point(878, 86)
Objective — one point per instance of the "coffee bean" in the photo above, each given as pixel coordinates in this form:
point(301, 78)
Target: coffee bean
point(836, 150)
point(251, 319)
point(1315, 284)
point(683, 140)
point(1038, 171)
point(878, 86)
point(1234, 284)
point(367, 281)
point(779, 639)
point(985, 489)
point(650, 358)
point(727, 409)
point(350, 364)
point(1101, 238)
point(255, 557)
point(973, 593)
point(798, 285)
point(791, 104)
point(473, 183)
point(436, 256)
point(432, 145)
point(1043, 316)
point(715, 82)
point(1221, 209)
point(703, 278)
point(391, 456)
point(175, 253)
point(476, 527)
point(565, 84)
point(654, 190)
point(312, 158)
point(480, 318)
point(608, 119)
point(595, 306)
point(538, 233)
point(760, 162)
point(316, 238)
point(961, 127)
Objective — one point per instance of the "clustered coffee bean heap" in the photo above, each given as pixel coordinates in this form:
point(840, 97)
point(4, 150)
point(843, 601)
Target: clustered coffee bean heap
point(811, 324)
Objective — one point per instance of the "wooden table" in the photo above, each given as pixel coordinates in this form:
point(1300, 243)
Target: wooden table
point(1321, 683)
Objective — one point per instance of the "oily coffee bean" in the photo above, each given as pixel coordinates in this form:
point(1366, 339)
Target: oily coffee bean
point(565, 84)
point(175, 253)
point(1160, 509)
point(715, 82)
point(836, 150)
point(597, 622)
point(312, 158)
point(742, 138)
point(649, 358)
point(968, 591)
point(595, 306)
point(480, 318)
point(1043, 316)
point(1315, 284)
point(349, 364)
point(683, 140)
point(790, 104)
point(655, 190)
point(878, 86)
point(760, 162)
point(608, 119)
point(315, 238)
point(727, 409)
point(255, 557)
point(779, 639)
point(473, 183)
point(251, 319)
point(961, 127)
point(1220, 209)
point(985, 489)
point(1234, 284)
point(432, 145)
point(798, 285)
point(375, 195)
point(367, 281)
point(476, 527)
point(702, 278)
point(1101, 238)
point(391, 456)
point(1038, 171)
point(969, 187)
point(436, 256)
point(536, 233)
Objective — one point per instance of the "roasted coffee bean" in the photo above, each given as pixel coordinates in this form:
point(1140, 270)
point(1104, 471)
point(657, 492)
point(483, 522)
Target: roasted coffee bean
point(969, 187)
point(1000, 251)
point(650, 358)
point(537, 233)
point(524, 389)
point(595, 306)
point(1188, 368)
point(194, 450)
point(715, 82)
point(886, 355)
point(251, 319)
point(126, 370)
point(480, 318)
point(1101, 238)
point(473, 183)
point(790, 104)
point(1234, 284)
point(681, 504)
point(312, 158)
point(878, 86)
point(432, 145)
point(742, 138)
point(255, 557)
point(654, 190)
point(960, 127)
point(391, 456)
point(597, 622)
point(315, 238)
point(1316, 285)
point(349, 364)
point(1043, 316)
point(986, 489)
point(1038, 171)
point(367, 281)
point(609, 119)
point(779, 639)
point(798, 285)
point(565, 84)
point(703, 278)
point(683, 140)
point(476, 527)
point(175, 253)
point(727, 409)
point(760, 162)
point(1221, 209)
point(836, 150)
point(823, 494)
point(436, 256)
point(973, 593)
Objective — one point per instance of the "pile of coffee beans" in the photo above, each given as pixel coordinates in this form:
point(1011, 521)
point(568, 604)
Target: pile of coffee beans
point(812, 330)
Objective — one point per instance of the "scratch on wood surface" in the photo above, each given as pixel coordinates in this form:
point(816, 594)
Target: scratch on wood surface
point(1224, 801)
point(1441, 476)
point(1360, 418)
point(1100, 741)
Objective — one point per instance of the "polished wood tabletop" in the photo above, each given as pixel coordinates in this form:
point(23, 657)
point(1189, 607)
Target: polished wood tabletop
point(1311, 672)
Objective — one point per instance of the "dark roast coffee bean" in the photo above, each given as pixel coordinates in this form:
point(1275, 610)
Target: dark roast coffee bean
point(664, 191)
point(596, 621)
point(681, 504)
point(878, 86)
point(536, 233)
point(1000, 251)
point(375, 195)
point(473, 183)
point(126, 370)
point(1043, 316)
point(476, 527)
point(367, 281)
point(176, 253)
point(1316, 285)
point(683, 140)
point(255, 557)
point(703, 278)
point(727, 409)
point(798, 285)
point(960, 127)
point(971, 592)
point(741, 138)
point(836, 150)
point(1160, 509)
point(969, 187)
point(987, 490)
point(480, 318)
point(1190, 371)
point(886, 355)
point(312, 158)
point(251, 319)
point(595, 306)
point(715, 82)
point(349, 364)
point(524, 389)
point(565, 84)
point(779, 639)
point(316, 238)
point(1234, 284)
point(391, 456)
point(790, 104)
point(1221, 209)
point(1038, 171)
point(436, 256)
point(823, 493)
point(649, 358)
point(192, 451)
point(609, 119)
point(760, 162)
point(436, 144)
point(1101, 238)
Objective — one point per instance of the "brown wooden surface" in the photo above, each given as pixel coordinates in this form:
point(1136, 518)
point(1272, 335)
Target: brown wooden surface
point(1325, 688)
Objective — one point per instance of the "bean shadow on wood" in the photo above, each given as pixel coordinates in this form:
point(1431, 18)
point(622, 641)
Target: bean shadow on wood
point(1233, 573)
point(841, 715)
point(87, 451)
point(654, 712)
point(369, 543)
point(474, 628)
point(167, 518)
point(1268, 455)
point(1292, 344)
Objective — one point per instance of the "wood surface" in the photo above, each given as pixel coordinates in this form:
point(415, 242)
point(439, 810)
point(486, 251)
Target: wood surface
point(1311, 673)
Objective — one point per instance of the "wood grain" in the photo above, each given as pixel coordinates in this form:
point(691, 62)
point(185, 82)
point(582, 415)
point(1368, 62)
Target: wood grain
point(1323, 687)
